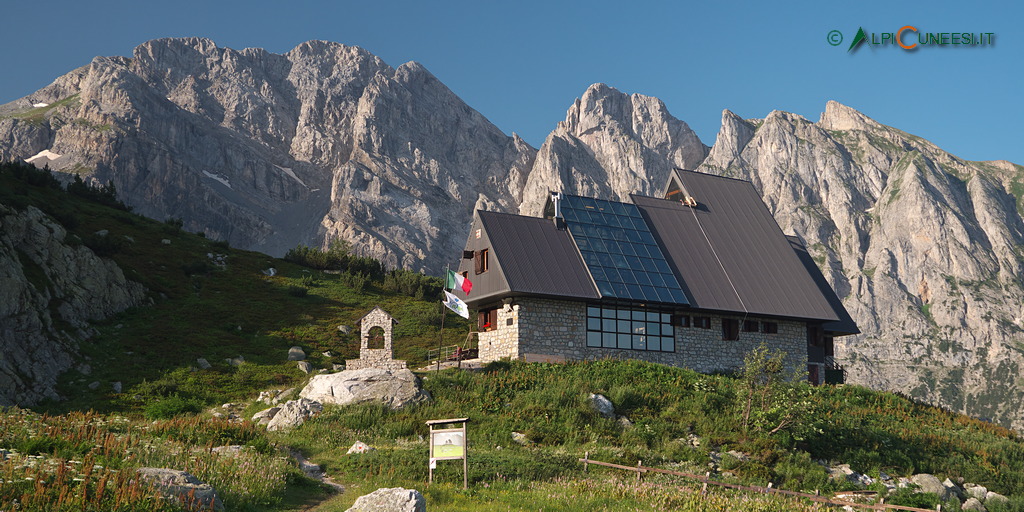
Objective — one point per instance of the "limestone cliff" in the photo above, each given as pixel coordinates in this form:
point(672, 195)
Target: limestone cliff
point(269, 151)
point(926, 249)
point(50, 289)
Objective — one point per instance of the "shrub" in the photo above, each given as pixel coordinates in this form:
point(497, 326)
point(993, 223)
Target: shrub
point(104, 246)
point(297, 291)
point(196, 268)
point(172, 406)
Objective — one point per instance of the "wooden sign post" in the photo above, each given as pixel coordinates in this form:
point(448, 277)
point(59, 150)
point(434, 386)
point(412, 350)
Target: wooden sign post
point(449, 443)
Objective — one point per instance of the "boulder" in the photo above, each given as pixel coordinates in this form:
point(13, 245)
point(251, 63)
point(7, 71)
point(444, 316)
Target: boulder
point(203, 364)
point(165, 241)
point(973, 504)
point(844, 472)
point(294, 413)
point(953, 489)
point(396, 499)
point(995, 497)
point(263, 417)
point(360, 447)
point(602, 405)
point(296, 354)
point(396, 388)
point(929, 483)
point(976, 491)
point(305, 366)
point(520, 438)
point(228, 450)
point(180, 485)
point(282, 395)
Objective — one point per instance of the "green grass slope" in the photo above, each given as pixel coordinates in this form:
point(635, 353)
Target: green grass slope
point(203, 310)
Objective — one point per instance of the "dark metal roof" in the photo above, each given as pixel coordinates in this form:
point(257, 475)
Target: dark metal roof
point(536, 257)
point(845, 325)
point(729, 252)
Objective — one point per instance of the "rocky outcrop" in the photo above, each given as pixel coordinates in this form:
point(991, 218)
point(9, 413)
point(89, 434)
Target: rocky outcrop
point(51, 287)
point(269, 151)
point(396, 499)
point(923, 247)
point(193, 493)
point(610, 145)
point(290, 414)
point(394, 388)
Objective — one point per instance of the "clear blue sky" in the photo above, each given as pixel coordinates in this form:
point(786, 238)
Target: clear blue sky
point(521, 64)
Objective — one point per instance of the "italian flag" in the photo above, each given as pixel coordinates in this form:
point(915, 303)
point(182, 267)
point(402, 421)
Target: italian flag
point(458, 281)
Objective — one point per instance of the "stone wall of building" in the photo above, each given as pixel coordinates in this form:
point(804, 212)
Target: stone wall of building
point(550, 330)
point(502, 341)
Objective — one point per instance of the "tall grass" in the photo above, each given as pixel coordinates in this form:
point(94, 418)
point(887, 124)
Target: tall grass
point(87, 461)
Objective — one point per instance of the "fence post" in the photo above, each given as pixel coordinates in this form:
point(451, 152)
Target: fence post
point(638, 472)
point(768, 490)
point(586, 461)
point(704, 488)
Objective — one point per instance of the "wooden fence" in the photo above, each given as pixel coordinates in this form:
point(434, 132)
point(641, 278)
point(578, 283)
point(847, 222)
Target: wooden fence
point(640, 469)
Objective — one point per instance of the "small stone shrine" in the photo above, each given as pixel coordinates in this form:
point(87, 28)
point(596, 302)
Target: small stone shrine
point(375, 349)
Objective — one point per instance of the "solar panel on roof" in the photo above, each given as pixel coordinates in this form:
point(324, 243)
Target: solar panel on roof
point(619, 250)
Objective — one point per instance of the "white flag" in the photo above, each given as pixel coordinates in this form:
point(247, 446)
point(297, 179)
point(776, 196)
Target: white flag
point(455, 304)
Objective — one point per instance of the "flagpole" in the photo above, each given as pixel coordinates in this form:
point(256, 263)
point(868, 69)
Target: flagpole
point(444, 310)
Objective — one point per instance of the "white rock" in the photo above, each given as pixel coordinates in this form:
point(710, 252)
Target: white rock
point(973, 505)
point(203, 364)
point(395, 388)
point(602, 405)
point(995, 497)
point(296, 354)
point(294, 413)
point(305, 366)
point(929, 483)
point(194, 493)
point(165, 241)
point(976, 491)
point(360, 447)
point(395, 499)
point(263, 417)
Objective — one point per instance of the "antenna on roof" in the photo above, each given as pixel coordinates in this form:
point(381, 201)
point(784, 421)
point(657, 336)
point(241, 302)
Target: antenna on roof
point(556, 201)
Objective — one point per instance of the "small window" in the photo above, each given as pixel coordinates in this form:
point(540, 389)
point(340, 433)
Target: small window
point(750, 325)
point(730, 329)
point(480, 263)
point(467, 255)
point(770, 327)
point(681, 320)
point(487, 320)
point(702, 322)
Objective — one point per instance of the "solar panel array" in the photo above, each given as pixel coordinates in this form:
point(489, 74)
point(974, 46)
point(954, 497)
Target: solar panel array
point(620, 251)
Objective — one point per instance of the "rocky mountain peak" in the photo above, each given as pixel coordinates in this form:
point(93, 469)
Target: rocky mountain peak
point(841, 117)
point(610, 145)
point(733, 136)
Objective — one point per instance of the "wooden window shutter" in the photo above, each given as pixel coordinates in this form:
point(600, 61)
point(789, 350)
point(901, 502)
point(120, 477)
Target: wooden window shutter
point(478, 265)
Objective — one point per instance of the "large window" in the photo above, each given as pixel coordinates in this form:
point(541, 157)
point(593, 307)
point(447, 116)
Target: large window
point(630, 329)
